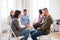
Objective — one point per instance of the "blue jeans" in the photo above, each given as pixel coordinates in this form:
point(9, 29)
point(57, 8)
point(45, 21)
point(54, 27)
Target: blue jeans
point(35, 34)
point(25, 33)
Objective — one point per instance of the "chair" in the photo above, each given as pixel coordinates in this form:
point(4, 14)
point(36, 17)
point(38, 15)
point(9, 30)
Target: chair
point(46, 37)
point(11, 38)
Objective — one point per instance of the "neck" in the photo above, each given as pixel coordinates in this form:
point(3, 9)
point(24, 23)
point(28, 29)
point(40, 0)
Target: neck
point(47, 15)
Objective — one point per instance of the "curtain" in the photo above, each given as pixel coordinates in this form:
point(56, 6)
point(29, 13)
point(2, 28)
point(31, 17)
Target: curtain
point(33, 7)
point(5, 7)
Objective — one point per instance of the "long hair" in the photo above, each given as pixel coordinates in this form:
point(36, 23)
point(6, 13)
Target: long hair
point(17, 13)
point(40, 11)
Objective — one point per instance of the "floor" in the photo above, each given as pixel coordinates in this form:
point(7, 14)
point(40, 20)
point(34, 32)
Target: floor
point(53, 36)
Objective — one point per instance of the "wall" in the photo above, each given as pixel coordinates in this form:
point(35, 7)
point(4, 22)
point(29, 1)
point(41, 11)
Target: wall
point(18, 4)
point(31, 5)
point(5, 7)
point(54, 8)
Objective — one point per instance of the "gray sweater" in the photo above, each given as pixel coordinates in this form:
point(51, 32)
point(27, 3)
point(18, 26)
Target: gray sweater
point(15, 26)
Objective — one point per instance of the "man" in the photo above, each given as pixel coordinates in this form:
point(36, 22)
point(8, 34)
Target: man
point(25, 19)
point(45, 28)
point(26, 23)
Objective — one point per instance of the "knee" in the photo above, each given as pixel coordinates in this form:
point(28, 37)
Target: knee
point(32, 32)
point(32, 35)
point(28, 30)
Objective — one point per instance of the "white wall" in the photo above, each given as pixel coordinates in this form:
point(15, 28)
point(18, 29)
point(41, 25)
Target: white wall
point(19, 5)
point(54, 8)
point(0, 16)
point(38, 4)
point(5, 7)
point(11, 5)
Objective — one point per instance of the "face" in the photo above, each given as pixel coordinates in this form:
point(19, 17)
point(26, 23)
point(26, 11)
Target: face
point(19, 16)
point(25, 12)
point(45, 12)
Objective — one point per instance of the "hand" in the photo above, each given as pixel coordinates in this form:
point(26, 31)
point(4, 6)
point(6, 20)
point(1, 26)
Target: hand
point(34, 23)
point(27, 25)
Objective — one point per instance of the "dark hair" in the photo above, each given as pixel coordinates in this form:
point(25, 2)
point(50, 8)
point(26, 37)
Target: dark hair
point(40, 11)
point(24, 10)
point(45, 9)
point(17, 12)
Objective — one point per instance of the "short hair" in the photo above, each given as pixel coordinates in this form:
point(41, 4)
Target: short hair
point(17, 12)
point(24, 10)
point(45, 9)
point(40, 11)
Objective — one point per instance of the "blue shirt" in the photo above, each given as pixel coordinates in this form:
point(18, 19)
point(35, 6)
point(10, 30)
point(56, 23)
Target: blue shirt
point(25, 19)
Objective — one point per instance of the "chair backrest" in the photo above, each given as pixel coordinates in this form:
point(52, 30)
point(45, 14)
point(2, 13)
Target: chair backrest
point(11, 32)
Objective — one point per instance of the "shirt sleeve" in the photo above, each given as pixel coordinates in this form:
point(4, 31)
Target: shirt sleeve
point(17, 24)
point(22, 26)
point(28, 20)
point(21, 20)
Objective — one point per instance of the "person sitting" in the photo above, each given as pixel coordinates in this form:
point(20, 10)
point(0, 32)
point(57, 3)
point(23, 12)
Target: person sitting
point(25, 19)
point(16, 27)
point(10, 16)
point(40, 20)
point(45, 28)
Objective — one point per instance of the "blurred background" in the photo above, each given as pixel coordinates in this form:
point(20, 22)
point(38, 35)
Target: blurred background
point(31, 5)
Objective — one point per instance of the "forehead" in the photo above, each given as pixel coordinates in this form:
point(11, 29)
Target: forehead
point(25, 11)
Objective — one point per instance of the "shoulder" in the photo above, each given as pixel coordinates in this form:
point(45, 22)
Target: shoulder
point(50, 17)
point(27, 15)
point(14, 19)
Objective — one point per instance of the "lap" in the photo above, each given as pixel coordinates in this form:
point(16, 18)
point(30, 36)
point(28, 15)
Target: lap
point(25, 31)
point(37, 33)
point(32, 31)
point(37, 25)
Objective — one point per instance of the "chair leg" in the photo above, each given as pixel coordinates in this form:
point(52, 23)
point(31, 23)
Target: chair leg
point(39, 38)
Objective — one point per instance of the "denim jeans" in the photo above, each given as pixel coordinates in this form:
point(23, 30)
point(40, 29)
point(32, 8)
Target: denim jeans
point(25, 33)
point(35, 34)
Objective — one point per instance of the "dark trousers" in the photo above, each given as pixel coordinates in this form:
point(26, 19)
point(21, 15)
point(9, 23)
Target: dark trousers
point(36, 33)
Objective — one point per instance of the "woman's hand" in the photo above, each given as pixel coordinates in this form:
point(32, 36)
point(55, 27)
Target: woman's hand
point(34, 23)
point(27, 25)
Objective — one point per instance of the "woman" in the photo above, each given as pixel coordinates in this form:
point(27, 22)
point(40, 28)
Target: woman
point(10, 16)
point(17, 28)
point(40, 19)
